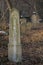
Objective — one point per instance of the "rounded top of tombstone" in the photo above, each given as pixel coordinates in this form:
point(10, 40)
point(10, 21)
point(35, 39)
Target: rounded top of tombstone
point(14, 10)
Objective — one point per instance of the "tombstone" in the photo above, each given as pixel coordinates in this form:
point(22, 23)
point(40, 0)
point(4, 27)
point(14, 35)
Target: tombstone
point(14, 46)
point(35, 17)
point(23, 25)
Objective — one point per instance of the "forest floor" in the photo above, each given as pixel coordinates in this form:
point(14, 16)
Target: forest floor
point(32, 47)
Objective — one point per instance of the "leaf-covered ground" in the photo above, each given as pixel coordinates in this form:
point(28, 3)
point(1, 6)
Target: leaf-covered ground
point(32, 46)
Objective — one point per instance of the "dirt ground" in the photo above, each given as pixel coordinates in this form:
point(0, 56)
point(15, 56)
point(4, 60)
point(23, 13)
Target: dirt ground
point(32, 48)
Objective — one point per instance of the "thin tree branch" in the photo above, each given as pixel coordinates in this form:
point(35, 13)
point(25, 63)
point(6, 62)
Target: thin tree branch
point(8, 5)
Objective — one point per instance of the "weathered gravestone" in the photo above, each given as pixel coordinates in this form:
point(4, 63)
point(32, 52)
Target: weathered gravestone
point(35, 17)
point(14, 46)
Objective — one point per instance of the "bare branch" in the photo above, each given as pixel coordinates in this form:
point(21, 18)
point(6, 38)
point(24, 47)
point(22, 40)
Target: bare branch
point(8, 5)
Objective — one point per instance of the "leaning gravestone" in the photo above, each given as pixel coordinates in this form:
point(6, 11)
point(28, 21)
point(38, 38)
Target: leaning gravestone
point(14, 46)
